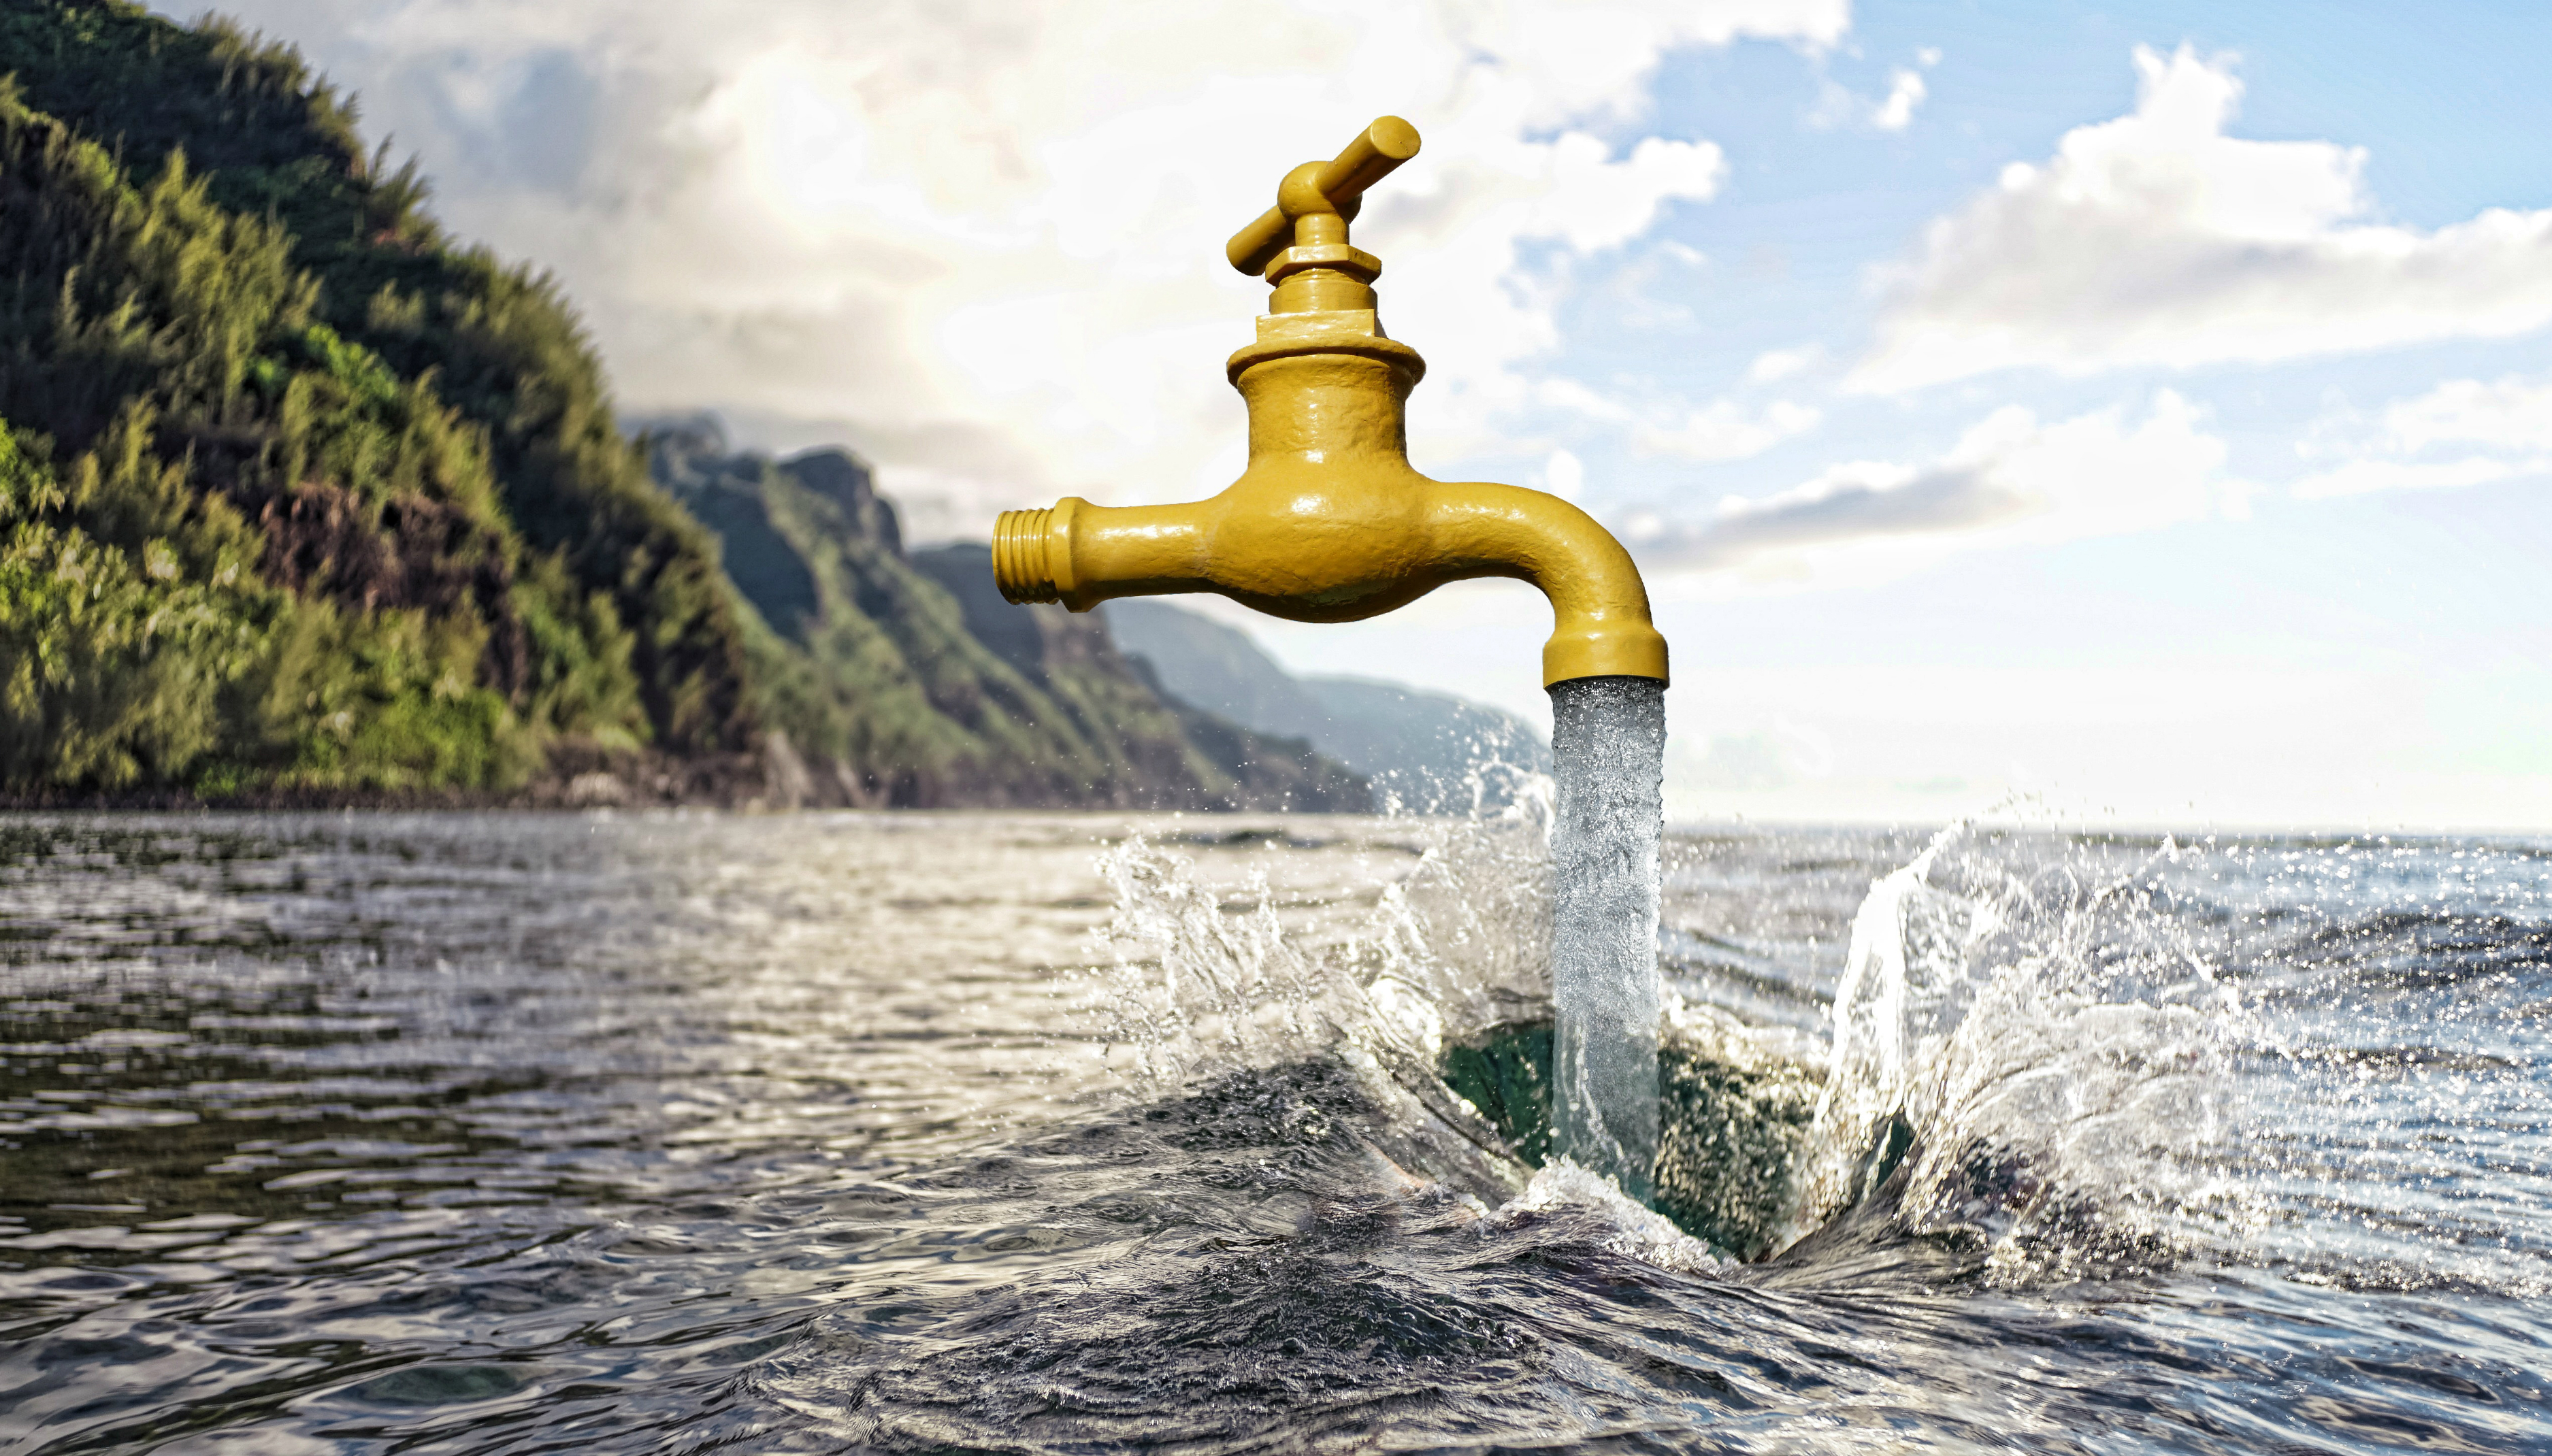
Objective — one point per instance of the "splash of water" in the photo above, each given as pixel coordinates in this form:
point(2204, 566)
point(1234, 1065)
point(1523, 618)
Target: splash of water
point(1608, 743)
point(1629, 1228)
point(1204, 982)
point(2028, 1048)
point(1910, 943)
point(1201, 978)
point(1549, 901)
point(1193, 988)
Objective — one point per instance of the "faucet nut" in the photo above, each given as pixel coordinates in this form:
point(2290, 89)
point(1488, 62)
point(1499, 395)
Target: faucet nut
point(1019, 558)
point(1353, 262)
point(1032, 554)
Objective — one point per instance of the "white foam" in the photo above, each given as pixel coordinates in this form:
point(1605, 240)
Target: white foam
point(1637, 1231)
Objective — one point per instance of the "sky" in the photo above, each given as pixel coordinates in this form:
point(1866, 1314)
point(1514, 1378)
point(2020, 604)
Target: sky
point(2139, 410)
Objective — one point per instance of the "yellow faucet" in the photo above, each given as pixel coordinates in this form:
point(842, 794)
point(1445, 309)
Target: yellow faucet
point(1330, 523)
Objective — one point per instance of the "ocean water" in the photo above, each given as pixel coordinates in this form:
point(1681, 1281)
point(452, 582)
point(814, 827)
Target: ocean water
point(364, 1133)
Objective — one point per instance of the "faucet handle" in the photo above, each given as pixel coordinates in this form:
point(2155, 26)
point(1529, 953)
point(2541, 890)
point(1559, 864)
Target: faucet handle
point(1335, 189)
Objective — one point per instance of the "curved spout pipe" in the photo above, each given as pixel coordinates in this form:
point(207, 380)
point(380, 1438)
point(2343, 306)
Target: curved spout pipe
point(1301, 561)
point(1330, 523)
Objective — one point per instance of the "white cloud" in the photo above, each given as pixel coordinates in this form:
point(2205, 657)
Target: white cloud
point(2500, 431)
point(985, 243)
point(1565, 475)
point(2009, 481)
point(1724, 431)
point(1905, 91)
point(1838, 106)
point(1568, 394)
point(2511, 413)
point(2155, 239)
point(2363, 476)
point(1775, 364)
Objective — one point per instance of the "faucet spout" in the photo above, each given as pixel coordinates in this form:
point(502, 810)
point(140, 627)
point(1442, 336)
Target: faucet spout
point(1329, 522)
point(1600, 624)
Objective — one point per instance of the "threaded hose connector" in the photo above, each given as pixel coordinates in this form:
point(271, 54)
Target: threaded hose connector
point(1019, 556)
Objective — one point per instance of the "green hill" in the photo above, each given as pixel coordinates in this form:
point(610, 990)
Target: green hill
point(906, 679)
point(301, 495)
point(302, 499)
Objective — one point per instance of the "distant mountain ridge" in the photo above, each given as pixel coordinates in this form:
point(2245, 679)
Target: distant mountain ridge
point(1425, 752)
point(904, 679)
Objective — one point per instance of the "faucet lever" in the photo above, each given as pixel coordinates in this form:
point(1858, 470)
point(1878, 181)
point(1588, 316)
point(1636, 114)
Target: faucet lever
point(1367, 159)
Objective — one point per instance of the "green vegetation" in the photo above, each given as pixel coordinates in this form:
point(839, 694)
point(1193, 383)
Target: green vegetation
point(299, 497)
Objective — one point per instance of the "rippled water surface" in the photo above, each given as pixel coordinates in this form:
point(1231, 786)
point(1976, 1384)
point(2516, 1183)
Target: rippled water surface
point(1052, 1133)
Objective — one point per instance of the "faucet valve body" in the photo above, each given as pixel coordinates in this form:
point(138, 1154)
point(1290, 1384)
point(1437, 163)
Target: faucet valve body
point(1329, 522)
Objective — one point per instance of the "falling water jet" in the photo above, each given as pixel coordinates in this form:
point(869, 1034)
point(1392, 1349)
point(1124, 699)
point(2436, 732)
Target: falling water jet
point(1607, 739)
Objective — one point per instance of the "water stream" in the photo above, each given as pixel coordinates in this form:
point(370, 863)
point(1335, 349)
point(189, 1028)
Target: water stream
point(1608, 743)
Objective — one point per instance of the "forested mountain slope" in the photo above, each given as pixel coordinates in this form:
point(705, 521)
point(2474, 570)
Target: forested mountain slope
point(301, 495)
point(302, 499)
point(906, 679)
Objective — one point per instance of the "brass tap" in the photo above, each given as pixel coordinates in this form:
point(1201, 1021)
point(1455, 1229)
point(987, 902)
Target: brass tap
point(1329, 522)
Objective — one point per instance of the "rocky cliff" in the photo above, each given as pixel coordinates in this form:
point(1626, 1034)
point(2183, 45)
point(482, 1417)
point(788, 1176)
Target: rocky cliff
point(904, 678)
